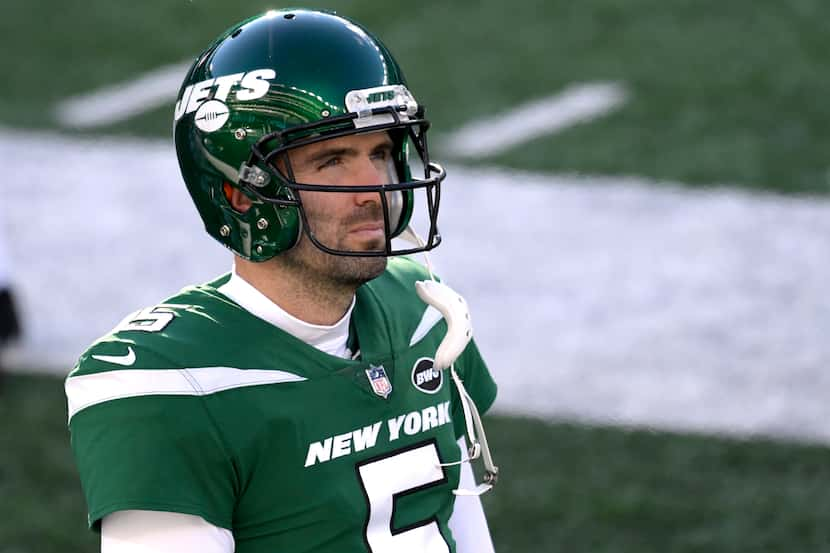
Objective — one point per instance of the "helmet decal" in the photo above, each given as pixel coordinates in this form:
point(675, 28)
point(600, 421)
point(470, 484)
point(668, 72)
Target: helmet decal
point(211, 115)
point(247, 86)
point(363, 102)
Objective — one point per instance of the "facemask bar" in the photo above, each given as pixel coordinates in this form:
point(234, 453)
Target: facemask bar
point(335, 127)
point(252, 176)
point(382, 190)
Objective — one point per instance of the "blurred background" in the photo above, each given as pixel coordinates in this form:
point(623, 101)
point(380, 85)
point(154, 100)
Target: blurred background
point(636, 211)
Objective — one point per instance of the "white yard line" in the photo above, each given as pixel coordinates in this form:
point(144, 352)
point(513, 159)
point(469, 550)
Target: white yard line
point(616, 300)
point(576, 104)
point(120, 101)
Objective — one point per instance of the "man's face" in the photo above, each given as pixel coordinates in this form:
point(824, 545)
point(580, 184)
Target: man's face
point(351, 221)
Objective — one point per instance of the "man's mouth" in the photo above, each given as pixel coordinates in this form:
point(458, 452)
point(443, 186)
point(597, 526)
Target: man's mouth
point(368, 230)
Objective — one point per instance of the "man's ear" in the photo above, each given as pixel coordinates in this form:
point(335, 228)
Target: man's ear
point(237, 198)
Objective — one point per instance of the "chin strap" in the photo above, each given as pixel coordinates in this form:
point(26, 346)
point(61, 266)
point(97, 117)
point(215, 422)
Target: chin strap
point(478, 441)
point(453, 307)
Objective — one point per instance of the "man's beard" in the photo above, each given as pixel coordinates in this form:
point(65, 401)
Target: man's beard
point(318, 265)
point(339, 270)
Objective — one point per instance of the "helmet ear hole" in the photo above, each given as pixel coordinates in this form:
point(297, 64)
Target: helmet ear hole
point(236, 197)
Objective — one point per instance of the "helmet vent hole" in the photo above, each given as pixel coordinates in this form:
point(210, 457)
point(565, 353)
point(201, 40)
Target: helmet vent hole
point(289, 16)
point(236, 33)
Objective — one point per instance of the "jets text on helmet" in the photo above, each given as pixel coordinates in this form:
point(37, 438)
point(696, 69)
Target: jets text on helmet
point(249, 86)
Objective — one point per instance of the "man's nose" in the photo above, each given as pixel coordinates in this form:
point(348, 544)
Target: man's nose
point(371, 173)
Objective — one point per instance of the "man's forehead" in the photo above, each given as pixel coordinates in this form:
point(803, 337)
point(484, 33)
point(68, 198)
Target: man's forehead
point(357, 142)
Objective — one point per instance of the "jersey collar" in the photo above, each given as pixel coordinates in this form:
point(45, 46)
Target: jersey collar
point(329, 339)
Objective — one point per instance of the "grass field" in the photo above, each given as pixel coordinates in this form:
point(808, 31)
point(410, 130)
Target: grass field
point(722, 92)
point(563, 487)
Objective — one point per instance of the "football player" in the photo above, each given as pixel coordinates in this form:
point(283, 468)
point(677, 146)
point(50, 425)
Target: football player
point(325, 395)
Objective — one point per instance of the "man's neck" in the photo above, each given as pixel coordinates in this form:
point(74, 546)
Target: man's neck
point(306, 297)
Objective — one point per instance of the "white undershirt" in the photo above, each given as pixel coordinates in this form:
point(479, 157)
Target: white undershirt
point(139, 531)
point(330, 339)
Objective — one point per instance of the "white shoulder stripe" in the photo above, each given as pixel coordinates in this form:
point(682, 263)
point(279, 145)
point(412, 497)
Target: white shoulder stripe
point(90, 389)
point(430, 318)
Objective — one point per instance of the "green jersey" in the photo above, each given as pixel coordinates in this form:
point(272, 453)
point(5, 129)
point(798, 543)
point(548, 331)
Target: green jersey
point(197, 406)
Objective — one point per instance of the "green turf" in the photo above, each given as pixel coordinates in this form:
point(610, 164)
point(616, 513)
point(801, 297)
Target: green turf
point(43, 509)
point(563, 487)
point(728, 92)
point(601, 490)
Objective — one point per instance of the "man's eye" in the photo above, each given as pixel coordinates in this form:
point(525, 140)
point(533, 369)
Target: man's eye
point(331, 162)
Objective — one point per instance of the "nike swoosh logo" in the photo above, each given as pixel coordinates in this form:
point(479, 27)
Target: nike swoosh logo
point(125, 360)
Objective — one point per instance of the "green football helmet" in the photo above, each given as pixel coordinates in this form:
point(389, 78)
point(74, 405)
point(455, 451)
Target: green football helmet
point(282, 80)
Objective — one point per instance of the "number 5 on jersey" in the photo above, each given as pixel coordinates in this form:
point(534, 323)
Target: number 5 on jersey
point(384, 481)
point(152, 319)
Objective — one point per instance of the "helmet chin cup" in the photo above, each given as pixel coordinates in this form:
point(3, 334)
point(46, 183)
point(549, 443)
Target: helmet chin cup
point(457, 314)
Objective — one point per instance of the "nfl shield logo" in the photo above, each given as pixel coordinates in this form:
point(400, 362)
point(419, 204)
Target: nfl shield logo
point(379, 380)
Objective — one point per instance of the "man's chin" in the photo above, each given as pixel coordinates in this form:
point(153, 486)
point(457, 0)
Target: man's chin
point(356, 271)
point(371, 246)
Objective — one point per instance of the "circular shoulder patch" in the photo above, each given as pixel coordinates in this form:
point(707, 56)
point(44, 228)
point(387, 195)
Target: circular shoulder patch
point(211, 115)
point(426, 377)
